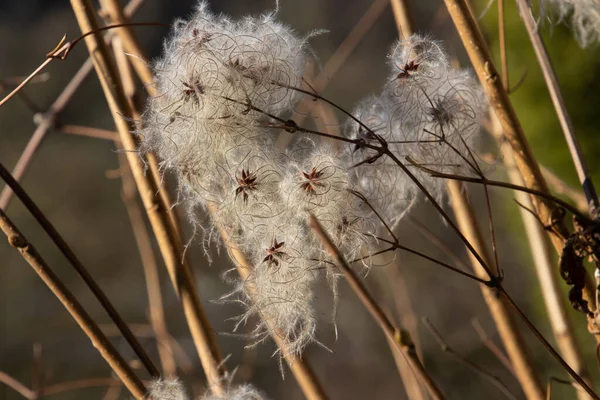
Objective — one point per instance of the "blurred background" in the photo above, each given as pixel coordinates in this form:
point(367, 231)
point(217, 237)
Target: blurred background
point(73, 180)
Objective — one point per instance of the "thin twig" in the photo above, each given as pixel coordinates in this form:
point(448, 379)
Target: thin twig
point(16, 385)
point(335, 62)
point(489, 343)
point(99, 340)
point(49, 119)
point(502, 40)
point(399, 338)
point(507, 328)
point(486, 374)
point(88, 131)
point(66, 250)
point(37, 381)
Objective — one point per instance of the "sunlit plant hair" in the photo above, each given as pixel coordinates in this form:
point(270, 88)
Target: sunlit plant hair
point(167, 389)
point(583, 16)
point(429, 115)
point(222, 83)
point(242, 392)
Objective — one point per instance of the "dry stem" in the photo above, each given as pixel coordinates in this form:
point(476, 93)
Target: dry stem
point(560, 107)
point(80, 269)
point(505, 323)
point(142, 238)
point(399, 338)
point(544, 266)
point(99, 340)
point(168, 240)
point(493, 86)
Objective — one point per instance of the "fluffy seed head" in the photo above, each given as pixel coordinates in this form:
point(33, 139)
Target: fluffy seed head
point(243, 392)
point(584, 17)
point(167, 389)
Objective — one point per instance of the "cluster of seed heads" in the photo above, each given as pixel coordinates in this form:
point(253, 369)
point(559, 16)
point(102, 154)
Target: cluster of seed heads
point(225, 85)
point(429, 115)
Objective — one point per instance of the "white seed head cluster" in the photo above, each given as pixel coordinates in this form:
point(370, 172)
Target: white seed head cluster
point(222, 86)
point(172, 389)
point(243, 392)
point(584, 16)
point(167, 389)
point(428, 113)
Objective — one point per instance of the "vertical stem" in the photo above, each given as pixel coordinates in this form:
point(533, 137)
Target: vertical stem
point(544, 266)
point(99, 340)
point(559, 106)
point(403, 17)
point(526, 163)
point(170, 246)
point(132, 46)
point(400, 338)
point(502, 39)
point(511, 337)
point(142, 238)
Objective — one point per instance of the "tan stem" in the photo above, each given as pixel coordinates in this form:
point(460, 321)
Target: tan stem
point(505, 323)
point(399, 338)
point(83, 319)
point(481, 60)
point(545, 269)
point(168, 240)
point(142, 238)
point(559, 105)
point(132, 46)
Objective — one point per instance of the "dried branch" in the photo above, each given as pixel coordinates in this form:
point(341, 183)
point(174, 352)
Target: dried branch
point(79, 268)
point(50, 118)
point(562, 327)
point(492, 84)
point(486, 374)
point(399, 338)
point(560, 107)
point(99, 340)
point(489, 343)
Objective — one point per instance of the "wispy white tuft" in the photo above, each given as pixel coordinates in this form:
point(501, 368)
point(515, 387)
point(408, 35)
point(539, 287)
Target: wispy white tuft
point(583, 15)
point(243, 392)
point(428, 112)
point(167, 389)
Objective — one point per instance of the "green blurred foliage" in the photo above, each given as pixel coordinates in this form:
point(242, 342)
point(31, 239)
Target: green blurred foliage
point(576, 69)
